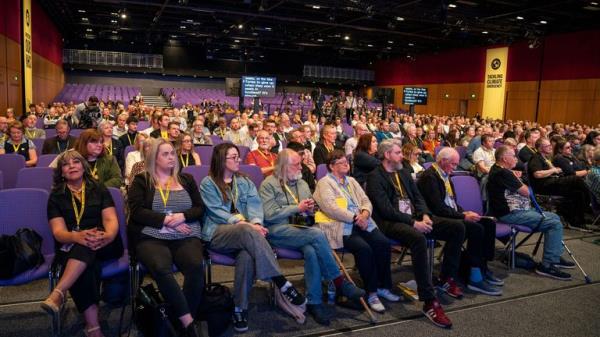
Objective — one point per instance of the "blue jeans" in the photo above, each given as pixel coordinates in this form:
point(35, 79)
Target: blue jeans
point(550, 226)
point(318, 257)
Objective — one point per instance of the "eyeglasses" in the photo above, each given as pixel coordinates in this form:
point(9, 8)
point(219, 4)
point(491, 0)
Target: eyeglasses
point(234, 158)
point(341, 162)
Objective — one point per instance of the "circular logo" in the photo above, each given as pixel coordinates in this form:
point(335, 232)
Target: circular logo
point(495, 64)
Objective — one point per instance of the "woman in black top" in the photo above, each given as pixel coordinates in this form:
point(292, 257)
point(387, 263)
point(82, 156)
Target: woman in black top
point(164, 229)
point(365, 157)
point(17, 143)
point(84, 223)
point(564, 158)
point(185, 152)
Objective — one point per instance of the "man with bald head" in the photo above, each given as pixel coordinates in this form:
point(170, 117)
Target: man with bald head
point(439, 194)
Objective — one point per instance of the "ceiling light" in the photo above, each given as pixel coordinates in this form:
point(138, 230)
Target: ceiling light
point(115, 32)
point(81, 10)
point(451, 6)
point(182, 27)
point(113, 21)
point(520, 18)
point(346, 37)
point(594, 3)
point(85, 19)
point(389, 48)
point(543, 22)
point(316, 7)
point(484, 32)
point(390, 41)
point(399, 18)
point(369, 45)
point(236, 41)
point(268, 28)
point(240, 26)
point(320, 40)
point(89, 30)
point(123, 15)
point(262, 56)
point(410, 44)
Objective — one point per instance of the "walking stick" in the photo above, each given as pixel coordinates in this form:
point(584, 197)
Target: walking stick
point(372, 318)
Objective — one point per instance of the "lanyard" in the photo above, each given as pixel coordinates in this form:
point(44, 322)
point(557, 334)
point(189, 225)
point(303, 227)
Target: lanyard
point(345, 189)
point(269, 159)
point(29, 134)
point(446, 181)
point(95, 171)
point(234, 192)
point(109, 148)
point(16, 147)
point(328, 149)
point(78, 211)
point(399, 186)
point(187, 159)
point(165, 195)
point(129, 138)
point(164, 135)
point(548, 162)
point(58, 146)
point(292, 194)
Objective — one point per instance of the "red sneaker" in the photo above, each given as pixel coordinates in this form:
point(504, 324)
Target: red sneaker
point(433, 310)
point(450, 287)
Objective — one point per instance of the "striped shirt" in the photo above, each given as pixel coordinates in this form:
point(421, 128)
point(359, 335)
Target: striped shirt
point(179, 201)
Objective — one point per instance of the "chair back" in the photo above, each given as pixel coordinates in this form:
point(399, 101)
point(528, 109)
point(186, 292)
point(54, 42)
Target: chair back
point(197, 171)
point(254, 173)
point(10, 164)
point(26, 208)
point(437, 150)
point(1, 181)
point(39, 143)
point(143, 125)
point(427, 165)
point(321, 171)
point(216, 140)
point(462, 151)
point(348, 129)
point(50, 133)
point(76, 132)
point(45, 160)
point(243, 152)
point(119, 201)
point(36, 177)
point(128, 149)
point(468, 193)
point(205, 152)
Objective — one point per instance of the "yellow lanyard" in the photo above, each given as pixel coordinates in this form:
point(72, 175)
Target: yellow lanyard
point(95, 171)
point(399, 186)
point(134, 139)
point(234, 192)
point(29, 134)
point(328, 149)
point(292, 194)
point(165, 195)
point(347, 190)
point(269, 159)
point(548, 162)
point(187, 159)
point(446, 181)
point(78, 211)
point(109, 148)
point(58, 146)
point(16, 147)
point(164, 135)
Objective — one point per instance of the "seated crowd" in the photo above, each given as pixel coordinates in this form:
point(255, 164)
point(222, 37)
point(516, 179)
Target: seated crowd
point(386, 184)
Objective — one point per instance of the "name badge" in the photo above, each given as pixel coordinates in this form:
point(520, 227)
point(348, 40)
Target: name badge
point(405, 206)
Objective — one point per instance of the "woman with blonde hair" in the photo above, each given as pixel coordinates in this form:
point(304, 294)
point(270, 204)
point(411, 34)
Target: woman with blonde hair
point(185, 151)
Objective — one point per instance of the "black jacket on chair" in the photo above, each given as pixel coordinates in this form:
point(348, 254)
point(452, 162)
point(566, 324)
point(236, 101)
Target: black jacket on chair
point(433, 191)
point(383, 195)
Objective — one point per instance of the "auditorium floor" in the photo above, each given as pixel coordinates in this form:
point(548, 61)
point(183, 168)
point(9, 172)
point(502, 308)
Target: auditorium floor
point(531, 305)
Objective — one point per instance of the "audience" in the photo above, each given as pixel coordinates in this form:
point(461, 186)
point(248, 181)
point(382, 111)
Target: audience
point(17, 143)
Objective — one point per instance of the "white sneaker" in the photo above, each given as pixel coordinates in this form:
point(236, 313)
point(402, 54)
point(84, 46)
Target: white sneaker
point(376, 304)
point(388, 295)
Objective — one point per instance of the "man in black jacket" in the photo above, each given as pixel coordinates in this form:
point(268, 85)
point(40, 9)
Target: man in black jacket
point(402, 214)
point(438, 191)
point(63, 140)
point(128, 139)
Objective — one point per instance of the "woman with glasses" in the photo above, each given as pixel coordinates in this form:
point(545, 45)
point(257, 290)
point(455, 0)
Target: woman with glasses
point(234, 225)
point(16, 143)
point(564, 158)
point(347, 211)
point(411, 154)
point(185, 152)
point(200, 134)
point(262, 157)
point(165, 230)
point(103, 166)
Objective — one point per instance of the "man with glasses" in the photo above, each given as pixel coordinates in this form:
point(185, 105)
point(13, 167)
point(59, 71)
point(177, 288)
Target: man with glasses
point(509, 202)
point(63, 140)
point(547, 179)
point(262, 157)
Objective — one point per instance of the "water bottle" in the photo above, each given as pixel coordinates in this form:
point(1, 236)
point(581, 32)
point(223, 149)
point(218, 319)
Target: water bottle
point(331, 292)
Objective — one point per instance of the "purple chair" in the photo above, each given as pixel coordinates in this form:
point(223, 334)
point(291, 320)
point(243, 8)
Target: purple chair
point(10, 164)
point(427, 165)
point(254, 173)
point(243, 152)
point(197, 171)
point(121, 265)
point(50, 133)
point(437, 150)
point(76, 132)
point(462, 151)
point(36, 177)
point(287, 253)
point(129, 148)
point(321, 171)
point(39, 143)
point(214, 257)
point(13, 216)
point(205, 152)
point(45, 160)
point(1, 181)
point(216, 140)
point(143, 125)
point(348, 129)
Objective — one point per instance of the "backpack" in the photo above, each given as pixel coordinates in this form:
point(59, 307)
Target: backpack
point(216, 308)
point(20, 252)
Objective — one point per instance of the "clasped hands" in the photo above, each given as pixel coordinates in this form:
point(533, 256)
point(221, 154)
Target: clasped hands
point(176, 221)
point(93, 238)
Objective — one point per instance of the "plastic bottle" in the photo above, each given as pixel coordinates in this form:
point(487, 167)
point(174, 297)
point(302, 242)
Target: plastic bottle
point(331, 292)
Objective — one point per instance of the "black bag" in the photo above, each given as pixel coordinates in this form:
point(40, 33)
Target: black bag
point(152, 314)
point(20, 252)
point(216, 309)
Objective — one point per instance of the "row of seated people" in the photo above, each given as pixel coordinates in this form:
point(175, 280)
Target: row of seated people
point(171, 221)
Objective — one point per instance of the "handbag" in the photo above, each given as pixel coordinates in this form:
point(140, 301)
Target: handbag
point(20, 252)
point(297, 312)
point(216, 309)
point(152, 314)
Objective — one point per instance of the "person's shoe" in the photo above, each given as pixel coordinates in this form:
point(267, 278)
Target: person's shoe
point(484, 288)
point(490, 278)
point(351, 291)
point(552, 272)
point(294, 296)
point(433, 310)
point(376, 305)
point(388, 295)
point(240, 321)
point(53, 307)
point(564, 264)
point(450, 287)
point(319, 313)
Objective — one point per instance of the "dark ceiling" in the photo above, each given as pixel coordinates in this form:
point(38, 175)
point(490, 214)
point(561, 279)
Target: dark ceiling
point(342, 32)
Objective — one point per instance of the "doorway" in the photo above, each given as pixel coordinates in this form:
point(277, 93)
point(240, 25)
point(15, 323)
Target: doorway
point(463, 106)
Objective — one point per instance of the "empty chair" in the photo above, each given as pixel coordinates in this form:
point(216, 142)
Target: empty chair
point(35, 177)
point(45, 160)
point(10, 164)
point(197, 171)
point(254, 173)
point(321, 171)
point(38, 145)
point(14, 216)
point(205, 152)
point(121, 265)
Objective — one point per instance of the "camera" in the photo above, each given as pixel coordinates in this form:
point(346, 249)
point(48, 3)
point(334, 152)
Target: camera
point(302, 219)
point(89, 117)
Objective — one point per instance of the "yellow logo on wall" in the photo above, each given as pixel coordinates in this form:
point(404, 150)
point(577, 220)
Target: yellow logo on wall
point(495, 83)
point(27, 53)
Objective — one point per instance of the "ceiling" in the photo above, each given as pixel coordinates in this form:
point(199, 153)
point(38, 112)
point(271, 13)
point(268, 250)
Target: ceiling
point(335, 32)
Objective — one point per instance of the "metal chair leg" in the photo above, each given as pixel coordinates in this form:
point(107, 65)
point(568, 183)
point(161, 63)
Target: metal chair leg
point(431, 258)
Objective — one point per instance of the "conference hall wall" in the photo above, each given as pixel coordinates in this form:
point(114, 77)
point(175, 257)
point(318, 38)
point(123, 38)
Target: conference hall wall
point(48, 75)
point(556, 82)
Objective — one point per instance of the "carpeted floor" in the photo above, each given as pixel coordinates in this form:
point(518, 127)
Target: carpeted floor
point(530, 306)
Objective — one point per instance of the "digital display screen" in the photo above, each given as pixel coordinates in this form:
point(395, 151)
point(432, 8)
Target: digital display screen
point(414, 96)
point(256, 86)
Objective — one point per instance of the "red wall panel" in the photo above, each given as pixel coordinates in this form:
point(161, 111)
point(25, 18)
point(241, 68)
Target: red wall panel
point(47, 40)
point(572, 56)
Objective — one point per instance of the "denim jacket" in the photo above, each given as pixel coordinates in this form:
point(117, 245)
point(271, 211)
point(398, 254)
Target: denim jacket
point(219, 213)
